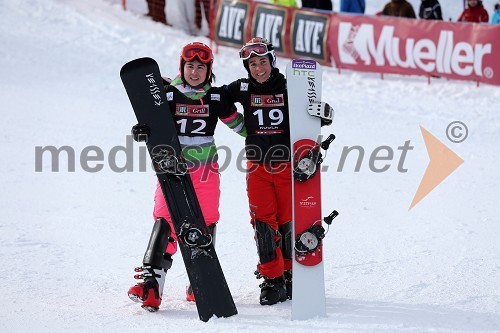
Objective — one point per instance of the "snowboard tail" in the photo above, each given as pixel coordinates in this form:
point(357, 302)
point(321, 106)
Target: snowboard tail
point(143, 83)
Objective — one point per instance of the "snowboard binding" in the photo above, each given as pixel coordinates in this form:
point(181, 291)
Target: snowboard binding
point(307, 162)
point(194, 237)
point(166, 162)
point(309, 240)
point(321, 110)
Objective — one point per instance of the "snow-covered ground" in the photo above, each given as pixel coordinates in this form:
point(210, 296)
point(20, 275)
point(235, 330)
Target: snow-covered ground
point(69, 240)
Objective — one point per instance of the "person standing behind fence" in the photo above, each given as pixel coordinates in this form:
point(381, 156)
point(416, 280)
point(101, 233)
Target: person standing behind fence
point(206, 12)
point(352, 6)
point(430, 10)
point(188, 12)
point(288, 3)
point(474, 13)
point(399, 8)
point(495, 19)
point(317, 4)
point(156, 10)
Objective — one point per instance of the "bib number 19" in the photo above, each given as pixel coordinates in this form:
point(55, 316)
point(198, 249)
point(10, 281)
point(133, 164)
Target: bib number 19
point(275, 115)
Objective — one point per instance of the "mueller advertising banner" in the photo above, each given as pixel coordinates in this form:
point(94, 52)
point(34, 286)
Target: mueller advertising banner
point(294, 33)
point(459, 51)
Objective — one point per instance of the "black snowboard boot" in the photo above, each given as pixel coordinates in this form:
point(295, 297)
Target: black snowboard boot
point(272, 291)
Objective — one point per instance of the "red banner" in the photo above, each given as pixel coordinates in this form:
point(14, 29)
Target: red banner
point(460, 51)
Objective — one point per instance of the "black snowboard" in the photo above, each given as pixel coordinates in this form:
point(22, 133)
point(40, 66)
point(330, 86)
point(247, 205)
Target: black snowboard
point(144, 86)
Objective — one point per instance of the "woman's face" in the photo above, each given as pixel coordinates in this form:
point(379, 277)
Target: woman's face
point(260, 68)
point(195, 72)
point(472, 3)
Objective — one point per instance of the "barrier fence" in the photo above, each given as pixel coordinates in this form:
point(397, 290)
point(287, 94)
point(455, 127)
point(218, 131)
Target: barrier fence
point(458, 51)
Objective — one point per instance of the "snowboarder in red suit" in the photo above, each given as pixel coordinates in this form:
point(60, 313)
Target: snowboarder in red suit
point(263, 96)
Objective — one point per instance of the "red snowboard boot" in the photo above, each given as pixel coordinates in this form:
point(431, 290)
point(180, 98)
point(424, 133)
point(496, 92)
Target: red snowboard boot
point(149, 292)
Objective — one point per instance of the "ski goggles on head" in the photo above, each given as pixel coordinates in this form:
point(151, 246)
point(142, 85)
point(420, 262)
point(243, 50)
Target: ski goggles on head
point(197, 50)
point(258, 49)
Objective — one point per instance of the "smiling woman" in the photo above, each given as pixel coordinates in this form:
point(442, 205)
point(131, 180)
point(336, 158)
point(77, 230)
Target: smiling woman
point(195, 73)
point(260, 68)
point(196, 108)
point(196, 65)
point(263, 96)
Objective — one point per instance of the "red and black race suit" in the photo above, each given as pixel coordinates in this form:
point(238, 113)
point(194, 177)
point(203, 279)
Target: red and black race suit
point(198, 117)
point(266, 117)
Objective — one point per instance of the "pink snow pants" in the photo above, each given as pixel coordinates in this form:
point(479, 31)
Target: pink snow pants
point(206, 182)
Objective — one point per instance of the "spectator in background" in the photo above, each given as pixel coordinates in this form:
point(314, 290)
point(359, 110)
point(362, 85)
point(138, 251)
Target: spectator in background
point(156, 10)
point(288, 3)
point(495, 19)
point(319, 4)
point(474, 12)
point(187, 11)
point(400, 8)
point(352, 6)
point(206, 12)
point(430, 10)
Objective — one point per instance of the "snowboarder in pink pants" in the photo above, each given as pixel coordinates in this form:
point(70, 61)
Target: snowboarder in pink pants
point(196, 107)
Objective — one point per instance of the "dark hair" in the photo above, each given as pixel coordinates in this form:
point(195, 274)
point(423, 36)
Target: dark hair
point(497, 6)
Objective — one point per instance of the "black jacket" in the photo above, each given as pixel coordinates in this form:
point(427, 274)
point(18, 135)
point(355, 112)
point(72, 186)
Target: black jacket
point(430, 10)
point(266, 117)
point(198, 117)
point(317, 4)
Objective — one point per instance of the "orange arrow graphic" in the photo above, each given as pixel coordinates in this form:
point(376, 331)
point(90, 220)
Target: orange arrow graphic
point(443, 161)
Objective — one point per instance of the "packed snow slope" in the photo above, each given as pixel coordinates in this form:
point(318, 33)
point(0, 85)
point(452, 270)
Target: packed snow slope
point(69, 239)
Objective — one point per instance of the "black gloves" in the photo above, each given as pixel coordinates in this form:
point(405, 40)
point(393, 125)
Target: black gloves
point(140, 132)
